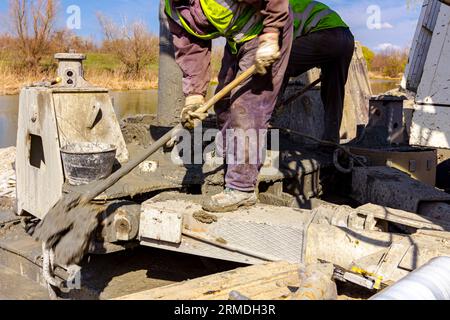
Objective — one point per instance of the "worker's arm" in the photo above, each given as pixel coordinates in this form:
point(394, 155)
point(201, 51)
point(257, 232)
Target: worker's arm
point(193, 55)
point(275, 13)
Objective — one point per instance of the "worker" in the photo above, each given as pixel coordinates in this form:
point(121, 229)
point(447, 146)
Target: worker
point(323, 40)
point(258, 32)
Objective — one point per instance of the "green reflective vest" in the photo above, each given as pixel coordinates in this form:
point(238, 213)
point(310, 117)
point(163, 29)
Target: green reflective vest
point(311, 16)
point(236, 21)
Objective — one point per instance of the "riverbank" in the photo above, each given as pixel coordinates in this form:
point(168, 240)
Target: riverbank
point(11, 83)
point(379, 76)
point(101, 69)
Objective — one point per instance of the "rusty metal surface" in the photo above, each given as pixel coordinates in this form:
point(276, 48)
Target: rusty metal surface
point(419, 163)
point(385, 126)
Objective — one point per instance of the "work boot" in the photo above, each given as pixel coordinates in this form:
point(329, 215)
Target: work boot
point(230, 200)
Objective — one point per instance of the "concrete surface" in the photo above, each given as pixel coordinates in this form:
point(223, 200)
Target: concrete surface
point(15, 287)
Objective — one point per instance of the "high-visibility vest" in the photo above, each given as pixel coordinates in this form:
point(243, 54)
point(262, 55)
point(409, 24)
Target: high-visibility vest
point(234, 20)
point(311, 16)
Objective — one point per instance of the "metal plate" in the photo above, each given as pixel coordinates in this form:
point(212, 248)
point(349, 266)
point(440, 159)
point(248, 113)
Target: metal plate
point(246, 235)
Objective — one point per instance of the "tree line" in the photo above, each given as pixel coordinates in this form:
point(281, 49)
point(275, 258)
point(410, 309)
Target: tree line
point(389, 62)
point(33, 37)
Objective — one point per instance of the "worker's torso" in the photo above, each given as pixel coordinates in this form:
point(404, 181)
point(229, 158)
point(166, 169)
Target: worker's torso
point(209, 19)
point(311, 16)
point(240, 22)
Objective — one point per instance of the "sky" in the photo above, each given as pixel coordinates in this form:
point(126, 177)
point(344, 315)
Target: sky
point(378, 24)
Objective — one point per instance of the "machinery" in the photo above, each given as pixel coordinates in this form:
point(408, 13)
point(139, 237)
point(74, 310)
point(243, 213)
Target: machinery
point(51, 117)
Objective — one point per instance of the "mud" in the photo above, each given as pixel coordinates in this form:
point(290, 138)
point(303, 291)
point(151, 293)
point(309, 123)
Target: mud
point(7, 203)
point(222, 241)
point(69, 229)
point(136, 133)
point(204, 217)
point(102, 276)
point(15, 287)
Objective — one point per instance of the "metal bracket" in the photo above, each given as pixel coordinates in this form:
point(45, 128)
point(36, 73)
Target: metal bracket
point(393, 258)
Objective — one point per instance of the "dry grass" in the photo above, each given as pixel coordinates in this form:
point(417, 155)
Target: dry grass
point(101, 69)
point(11, 81)
point(111, 81)
point(382, 76)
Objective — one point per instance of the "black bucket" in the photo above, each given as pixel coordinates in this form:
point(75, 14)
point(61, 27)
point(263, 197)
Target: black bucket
point(87, 162)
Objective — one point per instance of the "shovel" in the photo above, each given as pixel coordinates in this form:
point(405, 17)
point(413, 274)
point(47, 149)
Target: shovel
point(69, 226)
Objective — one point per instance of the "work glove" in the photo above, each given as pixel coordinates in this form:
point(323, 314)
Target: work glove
point(268, 52)
point(189, 113)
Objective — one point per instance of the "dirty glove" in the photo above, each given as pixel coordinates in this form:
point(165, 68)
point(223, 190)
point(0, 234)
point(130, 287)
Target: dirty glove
point(189, 114)
point(268, 52)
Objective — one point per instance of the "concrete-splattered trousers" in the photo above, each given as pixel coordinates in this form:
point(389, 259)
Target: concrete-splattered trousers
point(249, 107)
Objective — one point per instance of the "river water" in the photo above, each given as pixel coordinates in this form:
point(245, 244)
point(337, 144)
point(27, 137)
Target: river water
point(125, 103)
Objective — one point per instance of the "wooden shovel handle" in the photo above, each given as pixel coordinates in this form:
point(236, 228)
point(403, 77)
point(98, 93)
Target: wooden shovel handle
point(94, 189)
point(227, 90)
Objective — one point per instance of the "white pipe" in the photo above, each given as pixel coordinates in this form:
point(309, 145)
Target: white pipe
point(429, 282)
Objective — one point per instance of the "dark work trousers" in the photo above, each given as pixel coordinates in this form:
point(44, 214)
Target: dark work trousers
point(332, 51)
point(249, 107)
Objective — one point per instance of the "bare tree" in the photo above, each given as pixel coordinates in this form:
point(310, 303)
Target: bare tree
point(33, 26)
point(390, 62)
point(67, 41)
point(133, 44)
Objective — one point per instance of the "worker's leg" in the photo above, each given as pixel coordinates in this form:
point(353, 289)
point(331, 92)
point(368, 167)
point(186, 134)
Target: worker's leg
point(252, 105)
point(307, 52)
point(332, 51)
point(248, 113)
point(334, 78)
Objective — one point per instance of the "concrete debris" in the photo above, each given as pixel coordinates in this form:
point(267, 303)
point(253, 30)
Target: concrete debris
point(204, 217)
point(7, 173)
point(68, 228)
point(316, 283)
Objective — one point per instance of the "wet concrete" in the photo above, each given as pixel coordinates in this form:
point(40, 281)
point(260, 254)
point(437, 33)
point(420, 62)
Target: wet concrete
point(115, 275)
point(146, 268)
point(103, 276)
point(15, 287)
point(204, 217)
